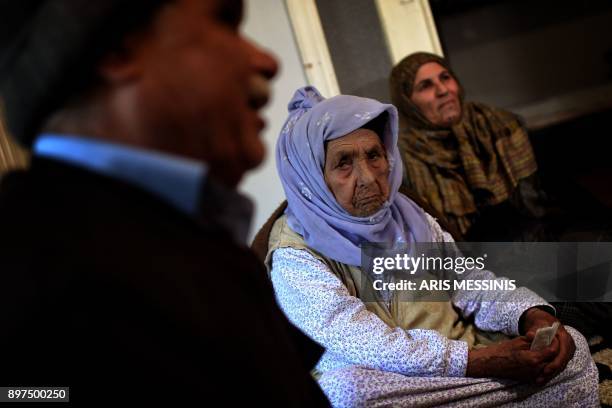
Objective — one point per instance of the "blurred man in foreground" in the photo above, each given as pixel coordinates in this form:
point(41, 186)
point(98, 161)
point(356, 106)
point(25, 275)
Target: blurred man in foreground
point(124, 270)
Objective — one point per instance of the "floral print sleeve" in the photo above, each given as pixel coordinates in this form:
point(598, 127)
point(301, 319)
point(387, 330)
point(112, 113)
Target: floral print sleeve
point(317, 302)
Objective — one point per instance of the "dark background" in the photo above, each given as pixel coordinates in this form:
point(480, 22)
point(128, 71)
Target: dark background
point(548, 61)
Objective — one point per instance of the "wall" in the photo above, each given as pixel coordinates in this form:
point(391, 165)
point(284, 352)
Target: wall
point(267, 22)
point(357, 46)
point(546, 58)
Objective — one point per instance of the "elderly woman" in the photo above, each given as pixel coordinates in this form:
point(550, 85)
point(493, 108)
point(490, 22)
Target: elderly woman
point(341, 171)
point(468, 160)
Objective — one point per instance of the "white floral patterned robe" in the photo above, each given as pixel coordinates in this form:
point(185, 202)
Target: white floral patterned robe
point(368, 363)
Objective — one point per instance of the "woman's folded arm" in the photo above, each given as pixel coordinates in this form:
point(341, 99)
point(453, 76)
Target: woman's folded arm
point(317, 302)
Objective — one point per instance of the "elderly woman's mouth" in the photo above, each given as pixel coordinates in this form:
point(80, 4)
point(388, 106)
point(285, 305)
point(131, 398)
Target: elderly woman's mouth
point(369, 198)
point(368, 205)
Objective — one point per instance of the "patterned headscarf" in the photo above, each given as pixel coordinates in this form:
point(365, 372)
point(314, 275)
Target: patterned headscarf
point(313, 211)
point(475, 162)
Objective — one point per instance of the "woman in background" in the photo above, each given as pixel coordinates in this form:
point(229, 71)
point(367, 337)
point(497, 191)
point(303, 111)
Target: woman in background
point(468, 160)
point(474, 164)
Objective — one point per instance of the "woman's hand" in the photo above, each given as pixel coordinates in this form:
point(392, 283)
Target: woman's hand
point(512, 359)
point(535, 318)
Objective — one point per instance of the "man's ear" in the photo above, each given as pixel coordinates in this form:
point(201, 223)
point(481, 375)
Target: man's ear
point(126, 62)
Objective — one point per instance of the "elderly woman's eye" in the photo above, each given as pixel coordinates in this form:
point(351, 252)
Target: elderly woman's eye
point(374, 155)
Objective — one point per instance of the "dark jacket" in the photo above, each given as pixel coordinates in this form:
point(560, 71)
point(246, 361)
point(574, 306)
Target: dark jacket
point(110, 291)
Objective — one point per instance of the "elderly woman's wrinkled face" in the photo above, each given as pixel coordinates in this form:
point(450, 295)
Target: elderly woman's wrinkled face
point(356, 171)
point(436, 94)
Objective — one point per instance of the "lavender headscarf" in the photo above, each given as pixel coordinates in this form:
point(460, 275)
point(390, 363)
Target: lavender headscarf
point(313, 211)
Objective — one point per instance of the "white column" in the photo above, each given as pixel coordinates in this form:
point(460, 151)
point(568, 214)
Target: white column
point(311, 41)
point(409, 27)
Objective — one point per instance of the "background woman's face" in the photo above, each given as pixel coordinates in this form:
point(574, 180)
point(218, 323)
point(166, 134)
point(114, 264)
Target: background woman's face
point(436, 94)
point(357, 172)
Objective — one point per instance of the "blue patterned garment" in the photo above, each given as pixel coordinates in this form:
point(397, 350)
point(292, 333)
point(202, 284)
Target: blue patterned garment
point(368, 363)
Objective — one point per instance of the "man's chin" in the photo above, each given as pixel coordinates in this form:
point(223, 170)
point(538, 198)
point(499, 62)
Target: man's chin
point(254, 159)
point(235, 172)
point(253, 151)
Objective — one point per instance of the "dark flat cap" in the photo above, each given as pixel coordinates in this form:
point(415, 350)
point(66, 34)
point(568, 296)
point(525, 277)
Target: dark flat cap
point(45, 45)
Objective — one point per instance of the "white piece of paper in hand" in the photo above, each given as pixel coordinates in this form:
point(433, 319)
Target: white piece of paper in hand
point(544, 337)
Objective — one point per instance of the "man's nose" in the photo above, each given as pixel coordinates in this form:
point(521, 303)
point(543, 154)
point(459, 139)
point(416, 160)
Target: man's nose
point(263, 62)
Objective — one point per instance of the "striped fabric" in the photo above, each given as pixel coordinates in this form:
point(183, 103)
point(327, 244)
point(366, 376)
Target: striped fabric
point(477, 162)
